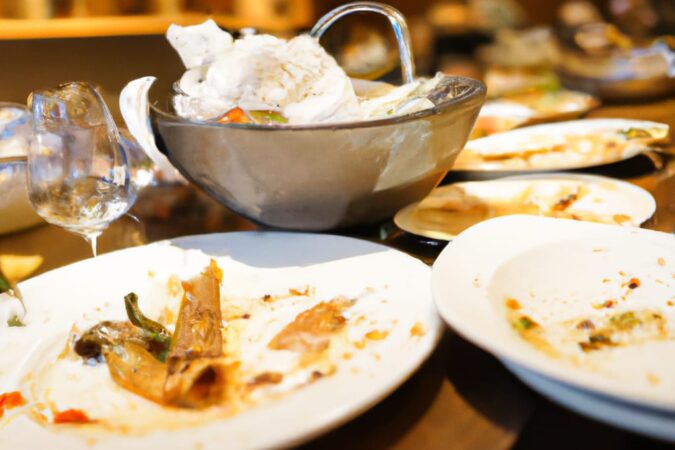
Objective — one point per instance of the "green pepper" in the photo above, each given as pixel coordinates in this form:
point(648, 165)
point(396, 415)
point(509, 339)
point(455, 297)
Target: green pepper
point(155, 331)
point(266, 117)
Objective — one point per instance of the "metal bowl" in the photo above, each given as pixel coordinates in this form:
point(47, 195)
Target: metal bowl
point(321, 177)
point(16, 212)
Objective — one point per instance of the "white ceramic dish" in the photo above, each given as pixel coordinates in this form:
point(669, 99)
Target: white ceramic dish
point(450, 211)
point(561, 272)
point(649, 422)
point(564, 145)
point(253, 263)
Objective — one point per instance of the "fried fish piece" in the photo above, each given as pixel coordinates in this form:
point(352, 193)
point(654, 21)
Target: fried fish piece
point(312, 329)
point(195, 371)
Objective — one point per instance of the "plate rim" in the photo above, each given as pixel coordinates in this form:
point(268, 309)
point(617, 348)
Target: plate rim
point(570, 398)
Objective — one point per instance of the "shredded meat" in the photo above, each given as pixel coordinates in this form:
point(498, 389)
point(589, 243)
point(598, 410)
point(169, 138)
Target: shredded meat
point(312, 329)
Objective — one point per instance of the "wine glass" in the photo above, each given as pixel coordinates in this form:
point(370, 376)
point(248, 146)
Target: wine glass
point(78, 175)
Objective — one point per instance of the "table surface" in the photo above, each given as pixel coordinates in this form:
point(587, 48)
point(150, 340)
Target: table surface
point(462, 397)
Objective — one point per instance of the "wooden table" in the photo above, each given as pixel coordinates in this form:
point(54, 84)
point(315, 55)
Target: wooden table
point(462, 398)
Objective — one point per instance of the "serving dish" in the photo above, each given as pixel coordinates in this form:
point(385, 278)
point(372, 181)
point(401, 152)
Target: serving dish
point(317, 176)
point(451, 209)
point(584, 304)
point(322, 177)
point(267, 279)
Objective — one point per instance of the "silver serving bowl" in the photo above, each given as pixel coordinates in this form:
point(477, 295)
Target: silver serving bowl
point(321, 177)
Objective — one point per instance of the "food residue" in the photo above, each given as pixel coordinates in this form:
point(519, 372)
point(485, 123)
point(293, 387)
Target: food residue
point(606, 304)
point(312, 329)
point(512, 303)
point(377, 335)
point(524, 323)
point(417, 330)
point(71, 416)
point(621, 218)
point(10, 400)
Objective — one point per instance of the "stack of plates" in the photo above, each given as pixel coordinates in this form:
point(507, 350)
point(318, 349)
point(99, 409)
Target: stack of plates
point(584, 313)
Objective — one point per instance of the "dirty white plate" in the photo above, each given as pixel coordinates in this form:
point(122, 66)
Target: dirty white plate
point(563, 145)
point(522, 287)
point(650, 422)
point(391, 287)
point(450, 209)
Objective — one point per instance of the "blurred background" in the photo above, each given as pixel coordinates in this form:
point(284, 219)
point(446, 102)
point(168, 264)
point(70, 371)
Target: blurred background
point(511, 44)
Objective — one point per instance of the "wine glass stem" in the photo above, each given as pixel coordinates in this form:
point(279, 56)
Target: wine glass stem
point(92, 239)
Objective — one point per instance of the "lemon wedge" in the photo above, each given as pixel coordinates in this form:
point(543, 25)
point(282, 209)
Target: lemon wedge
point(19, 267)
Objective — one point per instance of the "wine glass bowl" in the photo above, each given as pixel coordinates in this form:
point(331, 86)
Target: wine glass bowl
point(78, 176)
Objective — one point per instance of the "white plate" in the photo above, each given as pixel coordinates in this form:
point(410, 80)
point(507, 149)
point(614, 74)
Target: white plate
point(561, 270)
point(606, 200)
point(577, 143)
point(396, 286)
point(650, 422)
point(504, 114)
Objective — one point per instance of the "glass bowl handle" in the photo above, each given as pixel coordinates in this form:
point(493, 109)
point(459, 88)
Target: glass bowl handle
point(394, 16)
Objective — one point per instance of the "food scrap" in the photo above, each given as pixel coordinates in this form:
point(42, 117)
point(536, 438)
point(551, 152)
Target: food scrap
point(312, 329)
point(10, 400)
point(524, 323)
point(184, 369)
point(417, 330)
point(71, 416)
point(596, 342)
point(512, 303)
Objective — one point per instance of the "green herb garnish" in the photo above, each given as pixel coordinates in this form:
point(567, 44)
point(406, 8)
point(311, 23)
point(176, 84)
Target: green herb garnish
point(15, 321)
point(625, 321)
point(524, 323)
point(265, 117)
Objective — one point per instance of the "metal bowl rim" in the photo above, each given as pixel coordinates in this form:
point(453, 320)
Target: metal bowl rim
point(476, 90)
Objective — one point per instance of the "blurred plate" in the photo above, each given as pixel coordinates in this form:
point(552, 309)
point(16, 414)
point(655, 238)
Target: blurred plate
point(563, 145)
point(450, 209)
point(586, 304)
point(393, 292)
point(510, 112)
point(646, 421)
point(16, 212)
